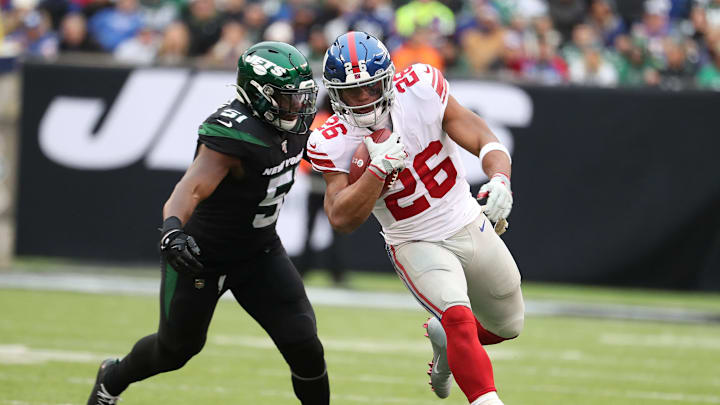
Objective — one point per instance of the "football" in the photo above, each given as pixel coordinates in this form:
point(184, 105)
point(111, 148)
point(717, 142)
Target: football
point(361, 158)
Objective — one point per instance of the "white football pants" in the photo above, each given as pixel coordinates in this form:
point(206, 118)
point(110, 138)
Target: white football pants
point(473, 268)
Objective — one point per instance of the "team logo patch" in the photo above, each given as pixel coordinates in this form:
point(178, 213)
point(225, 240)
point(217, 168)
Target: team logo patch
point(199, 283)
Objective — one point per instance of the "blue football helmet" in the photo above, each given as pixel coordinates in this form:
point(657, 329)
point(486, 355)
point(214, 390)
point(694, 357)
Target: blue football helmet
point(357, 70)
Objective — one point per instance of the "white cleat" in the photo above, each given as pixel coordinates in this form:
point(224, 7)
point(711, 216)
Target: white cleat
point(440, 375)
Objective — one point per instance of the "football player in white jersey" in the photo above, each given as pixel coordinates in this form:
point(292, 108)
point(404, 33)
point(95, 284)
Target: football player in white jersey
point(442, 245)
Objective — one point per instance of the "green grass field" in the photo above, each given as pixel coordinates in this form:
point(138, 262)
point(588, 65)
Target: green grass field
point(51, 343)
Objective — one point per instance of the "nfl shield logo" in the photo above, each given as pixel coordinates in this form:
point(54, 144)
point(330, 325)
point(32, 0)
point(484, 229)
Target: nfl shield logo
point(284, 146)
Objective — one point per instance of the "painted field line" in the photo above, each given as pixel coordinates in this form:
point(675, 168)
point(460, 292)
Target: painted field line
point(660, 340)
point(103, 283)
point(354, 398)
point(352, 346)
point(21, 354)
point(633, 394)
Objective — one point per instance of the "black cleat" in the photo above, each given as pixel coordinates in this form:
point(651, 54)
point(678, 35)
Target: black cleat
point(99, 395)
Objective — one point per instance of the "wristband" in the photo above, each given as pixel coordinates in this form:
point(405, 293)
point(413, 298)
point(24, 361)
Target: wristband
point(491, 146)
point(171, 223)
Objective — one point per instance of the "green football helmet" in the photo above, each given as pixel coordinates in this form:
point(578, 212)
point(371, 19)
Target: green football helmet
point(275, 81)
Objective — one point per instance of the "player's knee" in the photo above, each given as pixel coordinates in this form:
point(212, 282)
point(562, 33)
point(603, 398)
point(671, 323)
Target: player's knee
point(511, 328)
point(456, 315)
point(177, 355)
point(306, 358)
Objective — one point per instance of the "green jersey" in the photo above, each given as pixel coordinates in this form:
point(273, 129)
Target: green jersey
point(239, 218)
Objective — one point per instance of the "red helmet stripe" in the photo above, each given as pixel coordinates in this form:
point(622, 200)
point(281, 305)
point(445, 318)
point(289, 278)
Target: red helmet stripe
point(353, 52)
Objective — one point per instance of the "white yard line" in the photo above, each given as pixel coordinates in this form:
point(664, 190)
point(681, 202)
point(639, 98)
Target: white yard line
point(634, 394)
point(102, 284)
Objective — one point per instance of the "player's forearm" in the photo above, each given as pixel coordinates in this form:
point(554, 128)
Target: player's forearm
point(350, 207)
point(181, 204)
point(496, 162)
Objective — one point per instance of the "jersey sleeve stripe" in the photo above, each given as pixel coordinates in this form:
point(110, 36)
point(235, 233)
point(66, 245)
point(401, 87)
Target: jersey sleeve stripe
point(445, 91)
point(322, 162)
point(440, 84)
point(312, 152)
point(327, 170)
point(217, 130)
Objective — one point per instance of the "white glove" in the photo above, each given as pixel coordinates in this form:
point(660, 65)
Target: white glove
point(499, 196)
point(386, 157)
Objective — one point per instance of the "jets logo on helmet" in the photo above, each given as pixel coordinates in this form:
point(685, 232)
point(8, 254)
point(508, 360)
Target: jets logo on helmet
point(286, 97)
point(357, 66)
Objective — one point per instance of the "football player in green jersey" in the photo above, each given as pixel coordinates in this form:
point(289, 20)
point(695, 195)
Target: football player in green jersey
point(218, 232)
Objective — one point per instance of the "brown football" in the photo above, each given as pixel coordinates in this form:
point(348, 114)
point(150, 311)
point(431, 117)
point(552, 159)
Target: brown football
point(361, 158)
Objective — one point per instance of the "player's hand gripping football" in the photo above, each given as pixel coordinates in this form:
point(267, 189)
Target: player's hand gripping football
point(179, 249)
point(386, 157)
point(499, 201)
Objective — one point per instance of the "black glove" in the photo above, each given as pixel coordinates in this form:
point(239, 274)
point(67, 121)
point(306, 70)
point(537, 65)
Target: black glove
point(179, 249)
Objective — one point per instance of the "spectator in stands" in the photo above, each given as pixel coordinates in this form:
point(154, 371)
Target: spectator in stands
point(654, 28)
point(637, 67)
point(456, 64)
point(315, 49)
point(512, 62)
point(255, 21)
point(680, 9)
point(34, 37)
point(424, 13)
point(92, 7)
point(604, 21)
point(709, 75)
point(566, 14)
point(583, 37)
point(418, 49)
point(482, 37)
point(679, 70)
point(57, 9)
point(375, 17)
point(205, 25)
point(111, 26)
point(175, 44)
point(710, 10)
point(302, 19)
point(140, 49)
point(593, 69)
point(548, 67)
point(331, 16)
point(74, 36)
point(234, 10)
point(280, 31)
point(226, 52)
point(158, 14)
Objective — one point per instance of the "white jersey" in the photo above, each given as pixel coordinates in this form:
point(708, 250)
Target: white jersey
point(431, 199)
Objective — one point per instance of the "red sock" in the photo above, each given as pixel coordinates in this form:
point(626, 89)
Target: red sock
point(468, 360)
point(488, 338)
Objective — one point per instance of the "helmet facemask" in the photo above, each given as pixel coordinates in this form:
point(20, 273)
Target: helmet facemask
point(289, 110)
point(275, 81)
point(368, 114)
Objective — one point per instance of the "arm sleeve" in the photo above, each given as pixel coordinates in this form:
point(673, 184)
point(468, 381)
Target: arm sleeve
point(432, 89)
point(327, 155)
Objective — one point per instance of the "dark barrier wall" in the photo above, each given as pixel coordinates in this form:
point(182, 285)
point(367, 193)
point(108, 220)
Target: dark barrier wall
point(611, 186)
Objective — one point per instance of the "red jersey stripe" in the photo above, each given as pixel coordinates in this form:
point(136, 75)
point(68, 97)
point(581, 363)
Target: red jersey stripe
point(322, 162)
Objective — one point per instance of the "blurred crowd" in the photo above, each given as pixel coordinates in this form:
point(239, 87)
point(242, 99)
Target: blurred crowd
point(671, 44)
